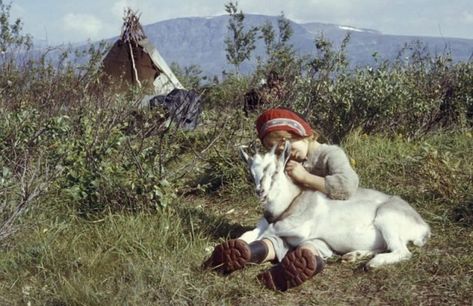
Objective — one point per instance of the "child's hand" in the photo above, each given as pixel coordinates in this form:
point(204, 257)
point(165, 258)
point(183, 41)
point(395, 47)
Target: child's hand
point(296, 171)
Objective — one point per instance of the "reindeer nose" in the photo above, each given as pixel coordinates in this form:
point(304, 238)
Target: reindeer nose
point(259, 191)
point(268, 216)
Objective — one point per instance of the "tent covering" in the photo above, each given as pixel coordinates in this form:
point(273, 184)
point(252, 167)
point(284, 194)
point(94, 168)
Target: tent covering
point(133, 60)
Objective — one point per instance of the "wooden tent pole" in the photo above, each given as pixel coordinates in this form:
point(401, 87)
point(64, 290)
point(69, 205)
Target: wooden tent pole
point(133, 63)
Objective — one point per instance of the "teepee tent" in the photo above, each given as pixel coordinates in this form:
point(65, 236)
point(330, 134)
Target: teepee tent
point(133, 60)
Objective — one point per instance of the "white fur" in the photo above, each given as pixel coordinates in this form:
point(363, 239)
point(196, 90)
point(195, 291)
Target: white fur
point(369, 223)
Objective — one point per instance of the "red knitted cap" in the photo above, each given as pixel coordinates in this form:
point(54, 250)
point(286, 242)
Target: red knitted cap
point(281, 119)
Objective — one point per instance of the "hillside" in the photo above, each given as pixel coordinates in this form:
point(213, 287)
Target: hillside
point(200, 41)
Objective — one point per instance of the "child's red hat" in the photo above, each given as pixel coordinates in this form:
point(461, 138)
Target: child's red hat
point(282, 119)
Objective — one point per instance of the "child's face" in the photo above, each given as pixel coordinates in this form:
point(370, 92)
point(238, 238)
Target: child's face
point(299, 148)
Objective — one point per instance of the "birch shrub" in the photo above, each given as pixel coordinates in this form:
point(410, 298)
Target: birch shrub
point(427, 94)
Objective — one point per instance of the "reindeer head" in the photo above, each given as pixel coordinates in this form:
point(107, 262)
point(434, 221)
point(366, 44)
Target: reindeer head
point(271, 182)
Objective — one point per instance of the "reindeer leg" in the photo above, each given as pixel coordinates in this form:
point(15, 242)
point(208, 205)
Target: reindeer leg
point(357, 255)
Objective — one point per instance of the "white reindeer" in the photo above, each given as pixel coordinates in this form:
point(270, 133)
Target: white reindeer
point(369, 223)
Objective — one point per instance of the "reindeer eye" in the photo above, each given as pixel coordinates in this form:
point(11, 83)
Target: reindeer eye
point(266, 169)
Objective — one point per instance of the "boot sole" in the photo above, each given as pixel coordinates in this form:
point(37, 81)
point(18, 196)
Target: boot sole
point(296, 267)
point(229, 256)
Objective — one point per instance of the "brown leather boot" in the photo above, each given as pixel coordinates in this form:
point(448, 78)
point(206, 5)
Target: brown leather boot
point(296, 267)
point(235, 254)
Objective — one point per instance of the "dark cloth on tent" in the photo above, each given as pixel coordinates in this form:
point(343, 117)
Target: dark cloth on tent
point(183, 107)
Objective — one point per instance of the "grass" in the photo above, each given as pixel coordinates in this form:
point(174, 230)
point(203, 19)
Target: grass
point(58, 258)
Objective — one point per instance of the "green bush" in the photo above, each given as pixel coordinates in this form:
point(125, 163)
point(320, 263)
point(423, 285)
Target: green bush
point(431, 93)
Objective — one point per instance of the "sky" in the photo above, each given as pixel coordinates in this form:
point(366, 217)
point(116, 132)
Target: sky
point(72, 21)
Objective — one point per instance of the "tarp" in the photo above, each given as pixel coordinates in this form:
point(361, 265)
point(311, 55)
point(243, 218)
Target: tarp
point(166, 81)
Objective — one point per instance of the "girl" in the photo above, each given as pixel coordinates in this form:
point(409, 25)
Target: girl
point(315, 166)
point(319, 167)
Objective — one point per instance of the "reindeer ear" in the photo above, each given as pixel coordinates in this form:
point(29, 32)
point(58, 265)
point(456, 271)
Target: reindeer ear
point(286, 154)
point(244, 155)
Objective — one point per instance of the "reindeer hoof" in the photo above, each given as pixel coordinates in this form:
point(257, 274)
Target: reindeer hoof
point(356, 255)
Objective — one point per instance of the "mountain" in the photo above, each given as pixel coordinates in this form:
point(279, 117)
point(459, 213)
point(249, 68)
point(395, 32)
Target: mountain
point(200, 41)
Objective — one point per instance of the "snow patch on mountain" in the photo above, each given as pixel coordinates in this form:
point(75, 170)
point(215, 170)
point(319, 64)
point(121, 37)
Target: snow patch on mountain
point(348, 28)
